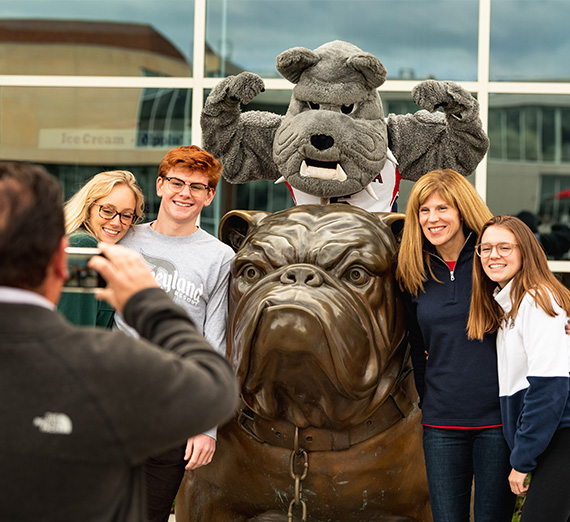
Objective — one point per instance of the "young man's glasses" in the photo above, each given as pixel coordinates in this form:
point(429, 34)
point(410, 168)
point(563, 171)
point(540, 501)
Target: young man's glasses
point(503, 249)
point(127, 218)
point(177, 185)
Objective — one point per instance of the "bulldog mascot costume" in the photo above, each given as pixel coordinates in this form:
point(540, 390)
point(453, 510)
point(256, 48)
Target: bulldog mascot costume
point(329, 428)
point(334, 144)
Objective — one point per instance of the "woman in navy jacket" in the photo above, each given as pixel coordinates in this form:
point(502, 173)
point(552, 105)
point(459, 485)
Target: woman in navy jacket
point(456, 378)
point(516, 295)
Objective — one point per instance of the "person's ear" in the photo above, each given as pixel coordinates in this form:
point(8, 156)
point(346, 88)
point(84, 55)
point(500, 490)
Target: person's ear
point(159, 186)
point(59, 260)
point(210, 198)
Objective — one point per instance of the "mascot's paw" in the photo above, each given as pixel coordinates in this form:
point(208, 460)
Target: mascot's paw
point(433, 94)
point(244, 87)
point(233, 90)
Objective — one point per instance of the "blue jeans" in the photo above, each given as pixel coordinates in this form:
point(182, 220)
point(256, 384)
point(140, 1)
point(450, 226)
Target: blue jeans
point(454, 457)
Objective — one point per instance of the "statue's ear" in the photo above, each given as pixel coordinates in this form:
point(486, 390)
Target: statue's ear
point(395, 221)
point(370, 67)
point(293, 62)
point(235, 225)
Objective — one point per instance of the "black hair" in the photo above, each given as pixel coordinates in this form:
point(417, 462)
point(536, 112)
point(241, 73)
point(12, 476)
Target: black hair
point(32, 223)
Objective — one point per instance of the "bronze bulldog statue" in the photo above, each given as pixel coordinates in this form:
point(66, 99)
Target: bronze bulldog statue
point(329, 429)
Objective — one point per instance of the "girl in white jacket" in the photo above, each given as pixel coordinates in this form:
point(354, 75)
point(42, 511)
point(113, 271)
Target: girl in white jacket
point(516, 294)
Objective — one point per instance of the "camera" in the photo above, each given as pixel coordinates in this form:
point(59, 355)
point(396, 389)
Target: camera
point(81, 278)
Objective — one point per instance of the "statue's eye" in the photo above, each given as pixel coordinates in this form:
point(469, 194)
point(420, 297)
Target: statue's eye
point(347, 109)
point(251, 273)
point(314, 106)
point(356, 275)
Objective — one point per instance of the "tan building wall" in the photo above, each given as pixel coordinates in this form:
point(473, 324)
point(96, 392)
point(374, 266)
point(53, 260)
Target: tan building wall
point(80, 125)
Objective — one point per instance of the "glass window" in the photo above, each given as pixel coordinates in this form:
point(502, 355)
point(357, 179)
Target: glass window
point(530, 40)
point(414, 39)
point(528, 163)
point(529, 128)
point(103, 38)
point(78, 132)
point(514, 132)
point(565, 135)
point(108, 125)
point(554, 203)
point(164, 118)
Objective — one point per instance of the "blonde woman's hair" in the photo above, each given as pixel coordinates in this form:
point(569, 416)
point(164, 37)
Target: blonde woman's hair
point(77, 208)
point(485, 314)
point(413, 258)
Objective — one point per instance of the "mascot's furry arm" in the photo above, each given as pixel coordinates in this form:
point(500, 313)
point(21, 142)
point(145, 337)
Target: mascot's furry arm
point(334, 139)
point(242, 141)
point(429, 140)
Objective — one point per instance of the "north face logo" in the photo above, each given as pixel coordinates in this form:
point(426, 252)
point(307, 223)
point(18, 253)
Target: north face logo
point(56, 423)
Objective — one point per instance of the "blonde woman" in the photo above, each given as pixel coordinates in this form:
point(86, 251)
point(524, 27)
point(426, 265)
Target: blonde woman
point(456, 378)
point(103, 210)
point(516, 295)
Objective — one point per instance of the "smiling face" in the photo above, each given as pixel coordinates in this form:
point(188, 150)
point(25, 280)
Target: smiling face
point(179, 211)
point(500, 268)
point(442, 227)
point(120, 199)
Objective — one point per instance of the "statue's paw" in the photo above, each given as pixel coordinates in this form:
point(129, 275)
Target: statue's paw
point(244, 87)
point(433, 94)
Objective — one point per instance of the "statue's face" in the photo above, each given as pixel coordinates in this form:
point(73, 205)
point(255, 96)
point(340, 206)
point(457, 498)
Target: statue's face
point(332, 142)
point(314, 320)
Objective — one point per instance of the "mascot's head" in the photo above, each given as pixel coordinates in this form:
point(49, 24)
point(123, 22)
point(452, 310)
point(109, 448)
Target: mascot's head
point(333, 140)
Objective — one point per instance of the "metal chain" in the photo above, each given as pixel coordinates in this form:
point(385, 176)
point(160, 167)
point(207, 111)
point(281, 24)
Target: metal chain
point(299, 458)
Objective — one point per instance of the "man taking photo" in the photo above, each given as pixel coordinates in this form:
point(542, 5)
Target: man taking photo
point(82, 409)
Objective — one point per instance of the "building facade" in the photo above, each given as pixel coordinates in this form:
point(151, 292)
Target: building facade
point(87, 86)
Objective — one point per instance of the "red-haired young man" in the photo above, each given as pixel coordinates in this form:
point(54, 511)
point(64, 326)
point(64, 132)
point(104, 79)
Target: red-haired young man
point(192, 266)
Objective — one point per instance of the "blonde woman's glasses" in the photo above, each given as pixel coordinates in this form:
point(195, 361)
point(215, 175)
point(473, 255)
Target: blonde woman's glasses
point(127, 218)
point(503, 249)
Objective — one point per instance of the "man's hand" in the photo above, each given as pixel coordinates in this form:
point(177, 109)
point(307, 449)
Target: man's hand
point(516, 480)
point(126, 274)
point(199, 451)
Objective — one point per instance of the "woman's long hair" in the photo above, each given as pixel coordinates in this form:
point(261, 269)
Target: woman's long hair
point(78, 207)
point(534, 277)
point(413, 260)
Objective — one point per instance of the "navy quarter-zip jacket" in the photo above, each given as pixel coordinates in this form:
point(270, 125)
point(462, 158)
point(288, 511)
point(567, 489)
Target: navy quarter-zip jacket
point(457, 381)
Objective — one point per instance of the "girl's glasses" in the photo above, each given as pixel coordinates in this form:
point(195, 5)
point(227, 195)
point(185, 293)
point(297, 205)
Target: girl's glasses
point(503, 249)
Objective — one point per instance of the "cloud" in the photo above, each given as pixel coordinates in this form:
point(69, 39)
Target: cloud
point(529, 40)
point(433, 38)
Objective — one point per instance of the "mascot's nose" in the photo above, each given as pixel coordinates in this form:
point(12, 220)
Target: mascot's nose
point(303, 275)
point(322, 141)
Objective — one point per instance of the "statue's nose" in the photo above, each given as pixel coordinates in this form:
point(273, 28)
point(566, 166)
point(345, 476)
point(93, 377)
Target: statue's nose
point(322, 141)
point(303, 275)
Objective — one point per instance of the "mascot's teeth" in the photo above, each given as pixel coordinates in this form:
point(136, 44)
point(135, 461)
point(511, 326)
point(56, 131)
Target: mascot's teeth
point(340, 173)
point(371, 192)
point(280, 180)
point(337, 174)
